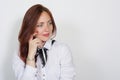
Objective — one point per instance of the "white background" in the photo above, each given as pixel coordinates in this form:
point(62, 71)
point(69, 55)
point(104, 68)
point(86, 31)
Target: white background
point(90, 27)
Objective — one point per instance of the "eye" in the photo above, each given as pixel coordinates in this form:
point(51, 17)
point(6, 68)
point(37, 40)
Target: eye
point(49, 22)
point(39, 25)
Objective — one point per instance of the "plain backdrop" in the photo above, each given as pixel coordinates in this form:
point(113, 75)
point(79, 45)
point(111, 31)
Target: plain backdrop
point(90, 27)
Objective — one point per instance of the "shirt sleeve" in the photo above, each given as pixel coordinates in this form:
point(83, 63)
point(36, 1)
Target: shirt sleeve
point(22, 71)
point(67, 68)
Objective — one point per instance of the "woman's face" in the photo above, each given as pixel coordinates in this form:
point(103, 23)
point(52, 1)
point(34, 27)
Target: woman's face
point(44, 27)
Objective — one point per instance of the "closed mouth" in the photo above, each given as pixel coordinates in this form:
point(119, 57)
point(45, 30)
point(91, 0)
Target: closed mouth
point(46, 35)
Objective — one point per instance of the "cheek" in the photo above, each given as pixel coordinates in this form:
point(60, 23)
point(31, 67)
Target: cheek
point(38, 31)
point(51, 30)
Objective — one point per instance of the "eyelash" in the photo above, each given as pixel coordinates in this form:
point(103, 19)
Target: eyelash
point(40, 25)
point(49, 23)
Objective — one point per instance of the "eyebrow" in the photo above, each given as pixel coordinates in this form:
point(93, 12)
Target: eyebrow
point(43, 22)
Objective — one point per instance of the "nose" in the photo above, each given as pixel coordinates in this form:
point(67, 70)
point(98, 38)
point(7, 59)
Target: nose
point(46, 27)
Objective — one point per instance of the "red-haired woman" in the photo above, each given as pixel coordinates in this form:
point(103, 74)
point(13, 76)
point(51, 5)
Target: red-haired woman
point(39, 57)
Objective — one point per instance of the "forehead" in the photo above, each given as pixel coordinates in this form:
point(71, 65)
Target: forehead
point(44, 17)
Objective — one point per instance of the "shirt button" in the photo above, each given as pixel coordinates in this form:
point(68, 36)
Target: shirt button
point(43, 74)
point(35, 75)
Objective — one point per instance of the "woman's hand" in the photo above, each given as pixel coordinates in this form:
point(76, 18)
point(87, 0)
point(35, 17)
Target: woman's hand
point(33, 44)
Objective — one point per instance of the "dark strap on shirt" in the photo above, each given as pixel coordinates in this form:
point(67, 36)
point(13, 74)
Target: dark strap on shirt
point(53, 42)
point(40, 53)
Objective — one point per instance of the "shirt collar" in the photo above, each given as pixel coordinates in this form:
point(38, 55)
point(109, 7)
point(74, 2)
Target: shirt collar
point(48, 44)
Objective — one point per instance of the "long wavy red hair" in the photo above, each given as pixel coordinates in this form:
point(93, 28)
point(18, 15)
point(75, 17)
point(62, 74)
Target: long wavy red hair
point(28, 27)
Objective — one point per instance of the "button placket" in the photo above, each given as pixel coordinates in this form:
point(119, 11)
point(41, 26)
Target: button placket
point(43, 74)
point(36, 73)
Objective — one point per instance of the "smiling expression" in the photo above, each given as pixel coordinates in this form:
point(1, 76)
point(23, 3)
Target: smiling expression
point(44, 27)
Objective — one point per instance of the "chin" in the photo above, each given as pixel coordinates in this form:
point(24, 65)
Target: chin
point(45, 39)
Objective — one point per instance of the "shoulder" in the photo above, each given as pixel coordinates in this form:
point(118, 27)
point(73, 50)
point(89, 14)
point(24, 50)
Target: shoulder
point(61, 47)
point(62, 50)
point(59, 44)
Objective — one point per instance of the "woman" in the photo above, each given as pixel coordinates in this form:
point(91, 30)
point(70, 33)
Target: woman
point(39, 57)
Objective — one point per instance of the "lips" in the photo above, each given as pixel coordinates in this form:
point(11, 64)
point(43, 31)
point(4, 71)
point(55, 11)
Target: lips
point(46, 35)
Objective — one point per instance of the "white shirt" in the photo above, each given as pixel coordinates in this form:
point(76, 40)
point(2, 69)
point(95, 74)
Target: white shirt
point(59, 65)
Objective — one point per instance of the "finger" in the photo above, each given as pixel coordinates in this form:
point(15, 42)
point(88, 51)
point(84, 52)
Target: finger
point(37, 41)
point(34, 35)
